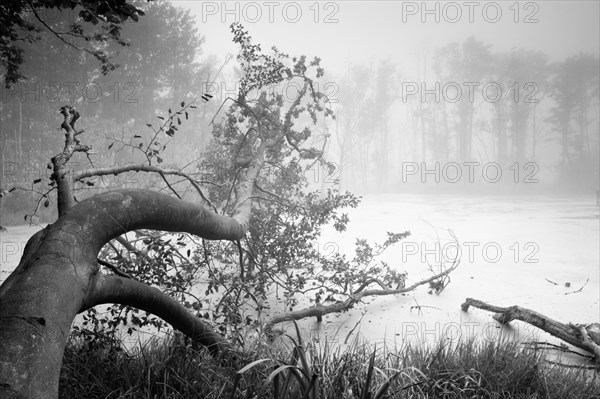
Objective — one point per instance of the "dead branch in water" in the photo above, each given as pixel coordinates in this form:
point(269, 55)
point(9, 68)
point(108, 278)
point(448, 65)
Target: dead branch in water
point(586, 337)
point(320, 310)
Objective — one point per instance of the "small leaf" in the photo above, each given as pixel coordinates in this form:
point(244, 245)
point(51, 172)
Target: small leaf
point(137, 136)
point(159, 159)
point(110, 146)
point(25, 218)
point(36, 181)
point(188, 253)
point(89, 183)
point(170, 112)
point(193, 106)
point(182, 104)
point(141, 145)
point(149, 124)
point(178, 121)
point(160, 117)
point(46, 203)
point(186, 116)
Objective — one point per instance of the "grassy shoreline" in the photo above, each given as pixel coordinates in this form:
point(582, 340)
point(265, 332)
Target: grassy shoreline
point(290, 367)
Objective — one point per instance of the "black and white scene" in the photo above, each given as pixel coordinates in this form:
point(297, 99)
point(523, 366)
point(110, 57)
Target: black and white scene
point(299, 199)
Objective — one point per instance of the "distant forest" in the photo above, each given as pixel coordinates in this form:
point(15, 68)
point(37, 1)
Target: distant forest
point(468, 114)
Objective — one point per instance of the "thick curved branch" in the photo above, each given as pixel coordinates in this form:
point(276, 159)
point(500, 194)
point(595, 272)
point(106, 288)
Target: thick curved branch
point(79, 175)
point(111, 214)
point(124, 291)
point(570, 333)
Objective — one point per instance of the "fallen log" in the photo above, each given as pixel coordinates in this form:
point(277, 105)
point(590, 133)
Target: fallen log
point(582, 336)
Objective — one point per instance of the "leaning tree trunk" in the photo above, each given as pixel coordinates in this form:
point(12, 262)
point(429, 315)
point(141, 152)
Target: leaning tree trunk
point(59, 277)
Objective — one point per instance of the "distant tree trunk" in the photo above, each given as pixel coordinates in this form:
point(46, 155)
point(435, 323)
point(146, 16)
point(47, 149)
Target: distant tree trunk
point(564, 134)
point(501, 133)
point(446, 134)
point(2, 167)
point(583, 146)
point(464, 133)
point(423, 129)
point(469, 138)
point(343, 148)
point(19, 142)
point(384, 150)
point(533, 133)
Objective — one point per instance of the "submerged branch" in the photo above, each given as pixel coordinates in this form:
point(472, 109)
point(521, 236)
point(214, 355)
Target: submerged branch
point(586, 337)
point(320, 310)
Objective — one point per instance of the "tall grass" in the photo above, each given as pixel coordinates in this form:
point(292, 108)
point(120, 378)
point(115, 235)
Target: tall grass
point(292, 367)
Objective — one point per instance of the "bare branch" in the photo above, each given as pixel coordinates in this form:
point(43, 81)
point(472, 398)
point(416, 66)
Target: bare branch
point(320, 310)
point(62, 39)
point(114, 268)
point(116, 289)
point(142, 168)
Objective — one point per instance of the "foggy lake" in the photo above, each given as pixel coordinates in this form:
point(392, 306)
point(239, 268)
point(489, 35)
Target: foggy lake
point(514, 251)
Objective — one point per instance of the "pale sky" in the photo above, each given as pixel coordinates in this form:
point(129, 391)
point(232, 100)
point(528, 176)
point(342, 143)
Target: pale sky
point(357, 32)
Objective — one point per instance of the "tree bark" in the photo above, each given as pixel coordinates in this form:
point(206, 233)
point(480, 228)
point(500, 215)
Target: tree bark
point(116, 289)
point(586, 337)
point(59, 277)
